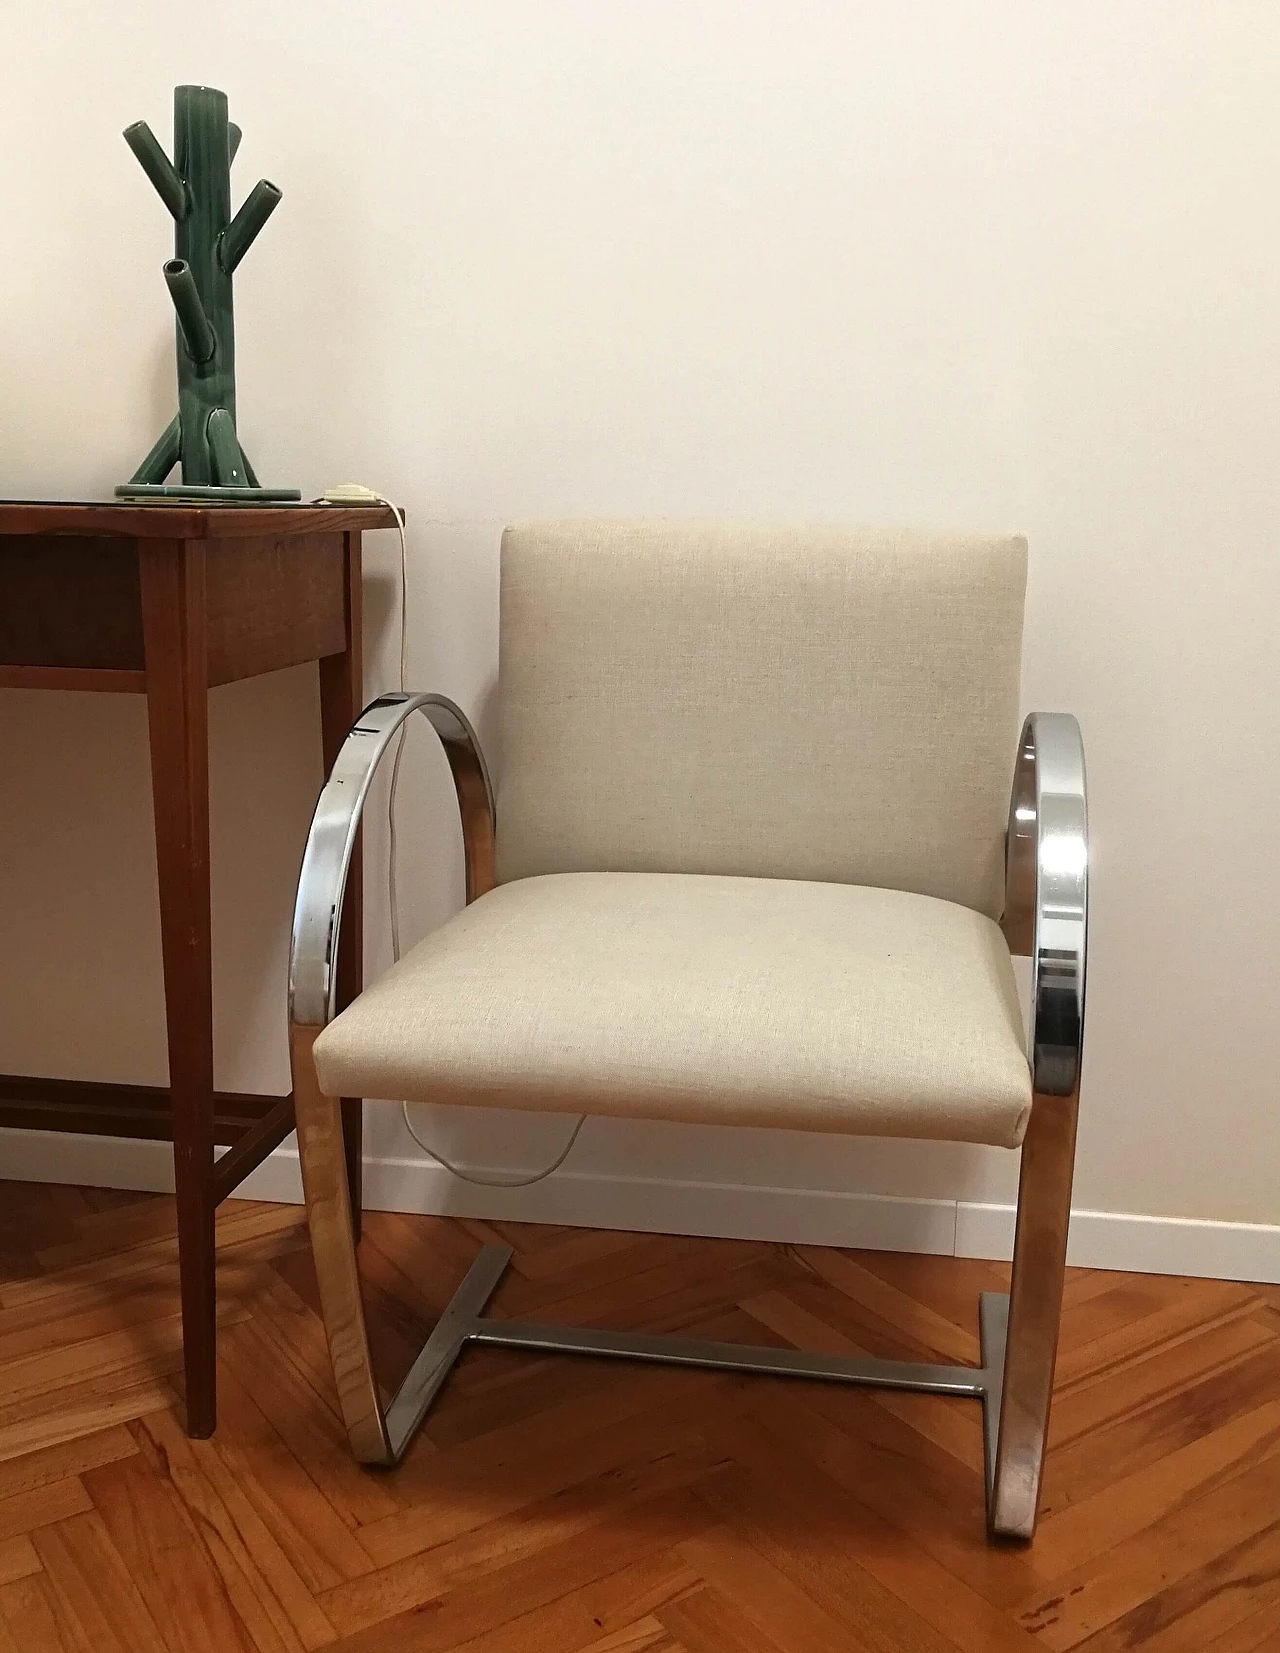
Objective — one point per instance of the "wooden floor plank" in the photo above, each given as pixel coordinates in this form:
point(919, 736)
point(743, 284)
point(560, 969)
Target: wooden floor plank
point(29, 1620)
point(304, 1521)
point(1190, 1538)
point(633, 1594)
point(1086, 1466)
point(167, 1558)
point(268, 1592)
point(104, 1269)
point(711, 1621)
point(1203, 1605)
point(70, 1457)
point(54, 1501)
point(944, 1340)
point(644, 1636)
point(1187, 1313)
point(305, 1417)
point(1155, 1375)
point(765, 1541)
point(93, 1590)
point(417, 1613)
point(951, 1291)
point(472, 1558)
point(61, 1415)
point(814, 1518)
point(792, 1619)
point(1131, 1503)
point(859, 1448)
point(957, 1429)
point(1085, 1318)
point(490, 1482)
point(18, 1558)
point(1261, 1629)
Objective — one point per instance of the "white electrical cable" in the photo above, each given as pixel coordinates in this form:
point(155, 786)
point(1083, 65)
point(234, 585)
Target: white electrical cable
point(334, 496)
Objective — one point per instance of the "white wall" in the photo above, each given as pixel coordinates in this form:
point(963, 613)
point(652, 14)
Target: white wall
point(993, 264)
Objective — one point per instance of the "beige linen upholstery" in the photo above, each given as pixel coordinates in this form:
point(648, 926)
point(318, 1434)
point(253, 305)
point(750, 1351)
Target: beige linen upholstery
point(729, 1001)
point(808, 703)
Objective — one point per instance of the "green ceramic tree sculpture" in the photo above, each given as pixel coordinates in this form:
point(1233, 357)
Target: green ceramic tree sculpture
point(208, 245)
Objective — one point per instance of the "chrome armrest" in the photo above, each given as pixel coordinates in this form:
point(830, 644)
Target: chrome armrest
point(1046, 908)
point(322, 883)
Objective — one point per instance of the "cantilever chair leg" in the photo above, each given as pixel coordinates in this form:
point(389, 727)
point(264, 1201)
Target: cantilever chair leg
point(1035, 1307)
point(333, 1242)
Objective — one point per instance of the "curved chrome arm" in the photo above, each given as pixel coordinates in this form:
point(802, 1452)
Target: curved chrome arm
point(317, 913)
point(1047, 892)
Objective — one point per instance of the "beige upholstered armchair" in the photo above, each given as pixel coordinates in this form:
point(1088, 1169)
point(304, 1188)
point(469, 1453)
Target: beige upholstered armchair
point(752, 862)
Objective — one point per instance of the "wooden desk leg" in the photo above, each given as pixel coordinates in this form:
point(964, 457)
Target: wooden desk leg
point(341, 702)
point(173, 620)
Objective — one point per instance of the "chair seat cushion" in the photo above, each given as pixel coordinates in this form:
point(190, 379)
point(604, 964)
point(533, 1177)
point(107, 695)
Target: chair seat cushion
point(730, 1001)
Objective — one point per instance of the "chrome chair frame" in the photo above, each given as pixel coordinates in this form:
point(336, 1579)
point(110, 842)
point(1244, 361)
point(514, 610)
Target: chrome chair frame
point(1046, 899)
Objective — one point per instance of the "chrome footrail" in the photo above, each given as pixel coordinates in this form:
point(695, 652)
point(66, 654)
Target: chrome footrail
point(463, 1322)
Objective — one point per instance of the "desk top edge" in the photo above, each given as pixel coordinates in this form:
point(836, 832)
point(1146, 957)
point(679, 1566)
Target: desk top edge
point(185, 522)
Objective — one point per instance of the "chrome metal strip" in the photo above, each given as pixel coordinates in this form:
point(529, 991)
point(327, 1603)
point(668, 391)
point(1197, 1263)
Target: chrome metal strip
point(1046, 915)
point(670, 1350)
point(462, 1323)
point(317, 921)
point(453, 1329)
point(993, 1330)
point(1047, 892)
point(326, 861)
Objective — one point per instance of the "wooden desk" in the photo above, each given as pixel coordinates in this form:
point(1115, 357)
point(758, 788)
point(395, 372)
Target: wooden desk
point(169, 601)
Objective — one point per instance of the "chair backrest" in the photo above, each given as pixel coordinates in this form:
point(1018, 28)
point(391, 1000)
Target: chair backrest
point(793, 702)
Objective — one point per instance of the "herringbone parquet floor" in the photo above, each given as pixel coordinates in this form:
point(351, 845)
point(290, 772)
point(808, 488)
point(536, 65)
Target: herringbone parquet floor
point(571, 1506)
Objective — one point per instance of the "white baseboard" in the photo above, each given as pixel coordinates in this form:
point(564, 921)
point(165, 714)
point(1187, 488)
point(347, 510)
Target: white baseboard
point(1099, 1239)
point(86, 1161)
point(1135, 1243)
